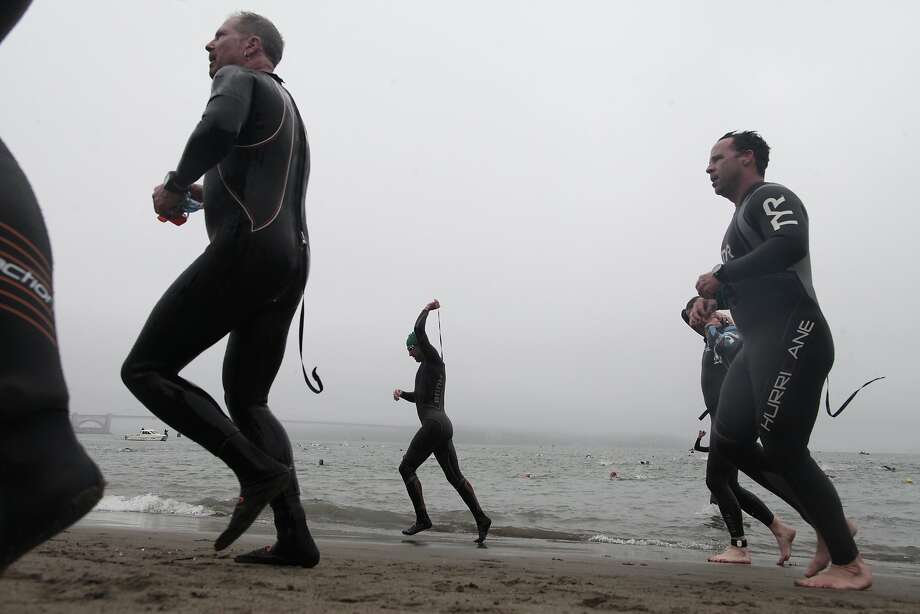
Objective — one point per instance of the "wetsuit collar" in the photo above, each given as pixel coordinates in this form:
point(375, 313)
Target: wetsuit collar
point(750, 191)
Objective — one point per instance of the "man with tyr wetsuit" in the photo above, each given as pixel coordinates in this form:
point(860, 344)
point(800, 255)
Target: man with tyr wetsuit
point(251, 147)
point(773, 387)
point(436, 433)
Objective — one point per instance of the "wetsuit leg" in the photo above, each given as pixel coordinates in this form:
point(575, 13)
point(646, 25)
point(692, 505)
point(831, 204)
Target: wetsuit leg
point(751, 503)
point(423, 444)
point(718, 479)
point(732, 499)
point(446, 456)
point(789, 373)
point(254, 354)
point(734, 437)
point(47, 481)
point(217, 293)
point(202, 306)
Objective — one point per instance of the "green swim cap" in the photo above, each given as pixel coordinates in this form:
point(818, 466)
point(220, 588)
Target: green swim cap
point(411, 340)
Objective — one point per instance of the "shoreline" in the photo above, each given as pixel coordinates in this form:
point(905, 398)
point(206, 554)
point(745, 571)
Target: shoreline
point(93, 568)
point(761, 552)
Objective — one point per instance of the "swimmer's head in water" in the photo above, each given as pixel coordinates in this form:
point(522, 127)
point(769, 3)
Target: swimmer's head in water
point(242, 39)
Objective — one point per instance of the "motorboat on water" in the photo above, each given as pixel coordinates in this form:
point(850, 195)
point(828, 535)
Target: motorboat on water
point(148, 435)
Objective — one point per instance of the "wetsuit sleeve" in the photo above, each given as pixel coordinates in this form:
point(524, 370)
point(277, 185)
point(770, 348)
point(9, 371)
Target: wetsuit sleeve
point(409, 396)
point(10, 13)
point(220, 125)
point(778, 216)
point(698, 447)
point(422, 338)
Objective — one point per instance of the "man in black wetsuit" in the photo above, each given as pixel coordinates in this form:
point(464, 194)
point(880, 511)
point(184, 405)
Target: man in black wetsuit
point(252, 149)
point(436, 433)
point(47, 482)
point(773, 387)
point(721, 343)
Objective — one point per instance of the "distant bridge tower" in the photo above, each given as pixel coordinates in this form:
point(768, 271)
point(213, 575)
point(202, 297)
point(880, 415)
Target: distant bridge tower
point(86, 423)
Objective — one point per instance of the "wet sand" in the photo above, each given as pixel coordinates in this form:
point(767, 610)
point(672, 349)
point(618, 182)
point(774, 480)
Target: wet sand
point(97, 569)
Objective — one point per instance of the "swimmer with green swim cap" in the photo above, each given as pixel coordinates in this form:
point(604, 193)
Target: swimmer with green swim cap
point(436, 433)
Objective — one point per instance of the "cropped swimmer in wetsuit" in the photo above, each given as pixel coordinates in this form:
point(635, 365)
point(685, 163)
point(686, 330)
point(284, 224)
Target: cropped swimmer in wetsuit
point(721, 343)
point(252, 149)
point(436, 434)
point(773, 387)
point(47, 482)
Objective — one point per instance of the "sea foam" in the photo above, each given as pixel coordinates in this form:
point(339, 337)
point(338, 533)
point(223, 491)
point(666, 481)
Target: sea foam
point(151, 504)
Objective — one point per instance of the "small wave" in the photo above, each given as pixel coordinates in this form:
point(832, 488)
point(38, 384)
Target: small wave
point(151, 504)
point(631, 541)
point(536, 533)
point(322, 511)
point(890, 554)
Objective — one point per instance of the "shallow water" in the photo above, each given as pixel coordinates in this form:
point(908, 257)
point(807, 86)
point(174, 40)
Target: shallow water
point(530, 491)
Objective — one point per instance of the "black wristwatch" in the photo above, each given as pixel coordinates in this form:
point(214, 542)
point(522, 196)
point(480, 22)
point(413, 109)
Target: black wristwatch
point(717, 271)
point(170, 184)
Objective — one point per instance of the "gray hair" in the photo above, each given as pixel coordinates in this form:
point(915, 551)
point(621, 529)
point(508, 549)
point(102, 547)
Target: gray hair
point(253, 24)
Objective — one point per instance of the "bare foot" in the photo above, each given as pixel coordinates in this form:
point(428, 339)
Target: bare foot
point(857, 576)
point(732, 554)
point(822, 556)
point(784, 535)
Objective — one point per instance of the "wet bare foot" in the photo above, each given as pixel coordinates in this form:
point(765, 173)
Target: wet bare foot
point(784, 535)
point(857, 576)
point(418, 527)
point(822, 556)
point(732, 554)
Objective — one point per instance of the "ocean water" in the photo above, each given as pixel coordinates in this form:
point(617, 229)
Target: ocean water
point(558, 492)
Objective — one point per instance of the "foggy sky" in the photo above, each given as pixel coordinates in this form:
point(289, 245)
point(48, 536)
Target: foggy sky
point(537, 166)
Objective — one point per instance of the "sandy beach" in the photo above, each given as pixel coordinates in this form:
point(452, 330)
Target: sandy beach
point(100, 569)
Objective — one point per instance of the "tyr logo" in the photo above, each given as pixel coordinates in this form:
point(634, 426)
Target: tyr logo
point(727, 253)
point(769, 207)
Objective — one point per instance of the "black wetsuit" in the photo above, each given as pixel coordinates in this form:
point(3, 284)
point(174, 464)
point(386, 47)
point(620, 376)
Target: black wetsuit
point(436, 433)
point(721, 345)
point(252, 147)
point(46, 479)
point(772, 389)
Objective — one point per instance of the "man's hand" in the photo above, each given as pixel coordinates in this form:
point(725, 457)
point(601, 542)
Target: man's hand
point(707, 285)
point(397, 394)
point(701, 434)
point(166, 205)
point(702, 310)
point(433, 305)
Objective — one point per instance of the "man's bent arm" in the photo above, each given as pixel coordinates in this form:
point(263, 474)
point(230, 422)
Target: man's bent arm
point(698, 447)
point(422, 337)
point(409, 396)
point(780, 218)
point(220, 125)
